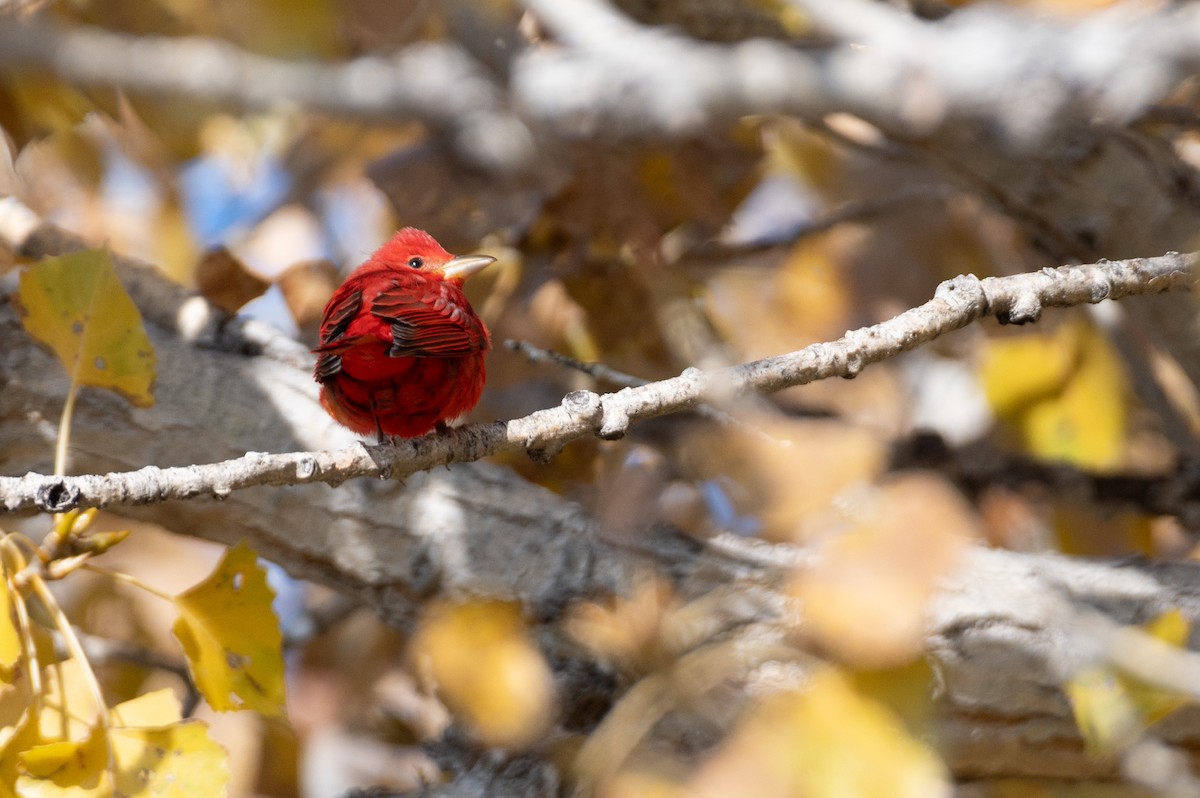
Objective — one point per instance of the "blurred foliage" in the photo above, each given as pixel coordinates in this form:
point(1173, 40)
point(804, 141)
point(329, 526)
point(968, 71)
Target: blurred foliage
point(58, 734)
point(1112, 707)
point(1064, 392)
point(487, 668)
point(649, 256)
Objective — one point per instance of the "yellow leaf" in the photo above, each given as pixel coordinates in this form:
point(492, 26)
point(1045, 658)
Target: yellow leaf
point(75, 305)
point(1155, 703)
point(1064, 392)
point(762, 460)
point(14, 740)
point(865, 595)
point(807, 155)
point(66, 768)
point(906, 690)
point(1022, 370)
point(46, 106)
point(10, 636)
point(487, 669)
point(178, 760)
point(160, 708)
point(1090, 531)
point(805, 298)
point(1112, 707)
point(67, 716)
point(69, 710)
point(627, 630)
point(1104, 711)
point(637, 784)
point(1170, 627)
point(231, 636)
point(815, 743)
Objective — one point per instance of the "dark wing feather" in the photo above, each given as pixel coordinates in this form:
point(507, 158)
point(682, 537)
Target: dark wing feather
point(430, 318)
point(338, 317)
point(328, 364)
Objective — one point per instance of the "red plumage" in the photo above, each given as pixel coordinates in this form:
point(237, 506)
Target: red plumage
point(401, 350)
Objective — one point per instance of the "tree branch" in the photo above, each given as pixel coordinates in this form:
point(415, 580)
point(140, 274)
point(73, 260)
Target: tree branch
point(610, 73)
point(437, 83)
point(958, 302)
point(880, 62)
point(1000, 634)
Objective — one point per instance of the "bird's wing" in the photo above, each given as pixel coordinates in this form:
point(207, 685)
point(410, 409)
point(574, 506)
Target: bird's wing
point(430, 318)
point(338, 317)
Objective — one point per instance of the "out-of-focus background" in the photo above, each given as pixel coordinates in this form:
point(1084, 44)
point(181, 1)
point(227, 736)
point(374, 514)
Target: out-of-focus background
point(665, 185)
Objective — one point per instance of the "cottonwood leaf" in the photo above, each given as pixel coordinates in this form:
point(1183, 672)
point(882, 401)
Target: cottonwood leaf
point(1112, 707)
point(160, 708)
point(865, 598)
point(20, 735)
point(166, 760)
point(75, 305)
point(231, 636)
point(1064, 392)
point(179, 760)
point(10, 637)
point(66, 768)
point(815, 743)
point(487, 669)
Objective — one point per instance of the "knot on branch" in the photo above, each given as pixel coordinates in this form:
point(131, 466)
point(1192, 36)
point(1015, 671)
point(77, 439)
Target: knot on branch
point(57, 496)
point(1012, 302)
point(616, 424)
point(1024, 308)
point(584, 405)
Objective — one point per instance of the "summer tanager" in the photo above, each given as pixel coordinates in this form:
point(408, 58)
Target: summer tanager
point(401, 350)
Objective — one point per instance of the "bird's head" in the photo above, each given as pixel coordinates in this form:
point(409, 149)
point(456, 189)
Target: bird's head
point(415, 249)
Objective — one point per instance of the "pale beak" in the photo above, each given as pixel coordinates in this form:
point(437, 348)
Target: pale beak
point(465, 266)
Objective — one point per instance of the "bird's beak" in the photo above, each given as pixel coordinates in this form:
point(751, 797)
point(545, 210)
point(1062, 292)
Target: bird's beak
point(465, 266)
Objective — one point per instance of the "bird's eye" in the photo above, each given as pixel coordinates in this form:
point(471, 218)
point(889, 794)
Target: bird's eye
point(416, 263)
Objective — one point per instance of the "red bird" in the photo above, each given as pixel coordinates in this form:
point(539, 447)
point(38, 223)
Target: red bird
point(401, 350)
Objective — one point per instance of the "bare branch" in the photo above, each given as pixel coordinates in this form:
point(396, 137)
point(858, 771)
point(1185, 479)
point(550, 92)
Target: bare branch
point(599, 371)
point(439, 84)
point(1028, 75)
point(1024, 73)
point(958, 302)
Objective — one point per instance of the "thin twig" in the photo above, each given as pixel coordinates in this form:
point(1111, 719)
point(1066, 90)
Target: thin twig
point(535, 354)
point(102, 649)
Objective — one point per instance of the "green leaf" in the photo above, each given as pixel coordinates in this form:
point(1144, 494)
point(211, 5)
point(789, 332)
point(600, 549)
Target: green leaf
point(231, 636)
point(75, 305)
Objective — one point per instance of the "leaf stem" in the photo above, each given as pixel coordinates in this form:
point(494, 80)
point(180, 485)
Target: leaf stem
point(9, 547)
point(133, 581)
point(64, 429)
point(77, 653)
